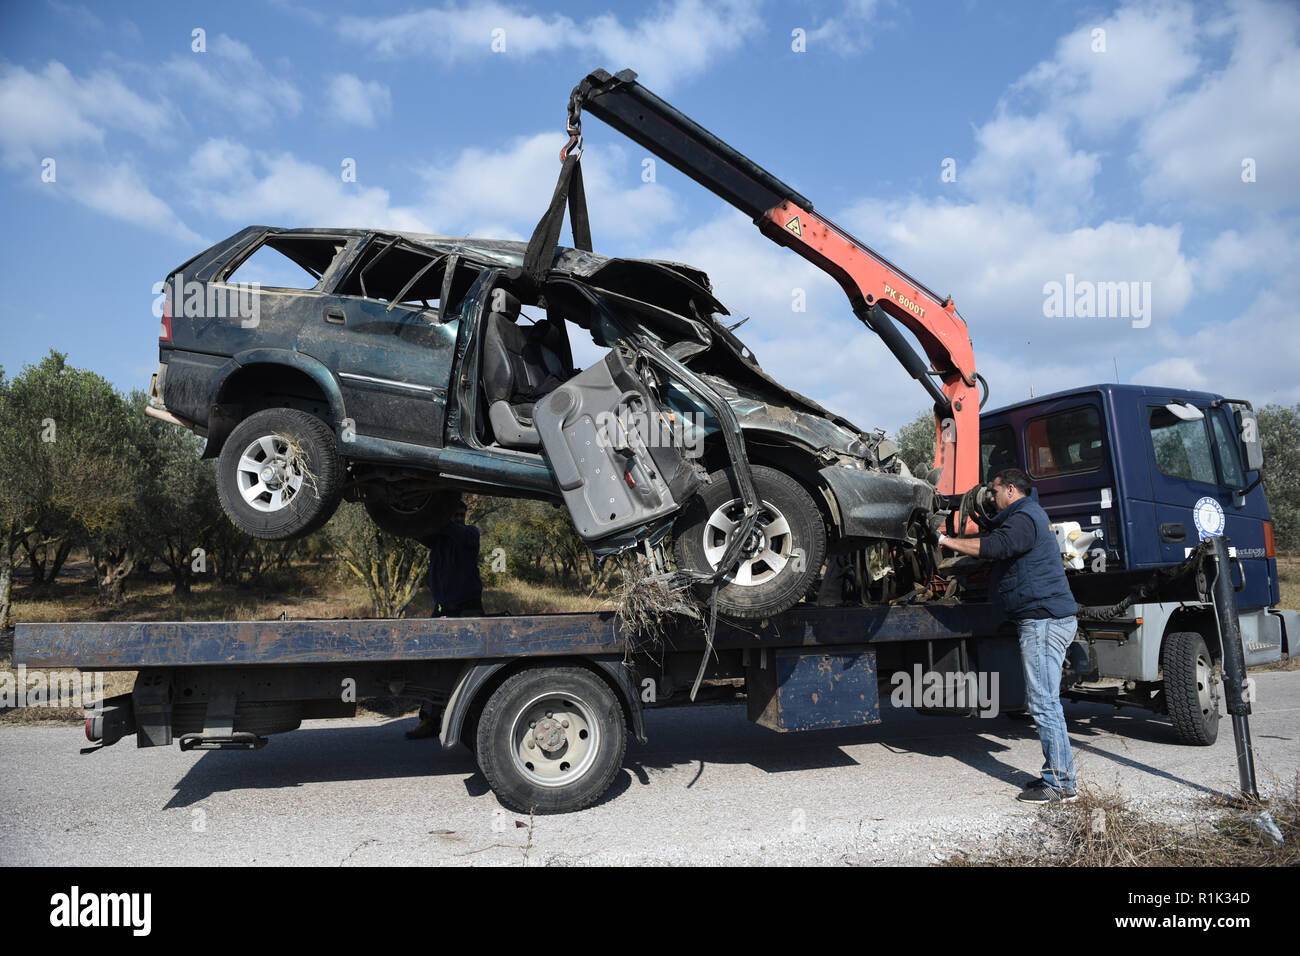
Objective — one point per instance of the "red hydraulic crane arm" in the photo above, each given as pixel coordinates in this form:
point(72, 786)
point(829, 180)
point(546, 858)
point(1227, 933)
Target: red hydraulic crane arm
point(880, 293)
point(874, 286)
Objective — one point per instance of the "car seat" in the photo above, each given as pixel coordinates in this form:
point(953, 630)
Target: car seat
point(521, 364)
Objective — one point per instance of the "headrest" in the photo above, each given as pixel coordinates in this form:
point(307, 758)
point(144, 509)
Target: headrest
point(502, 302)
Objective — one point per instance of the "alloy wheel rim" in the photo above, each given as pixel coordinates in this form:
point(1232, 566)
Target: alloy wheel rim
point(764, 556)
point(268, 475)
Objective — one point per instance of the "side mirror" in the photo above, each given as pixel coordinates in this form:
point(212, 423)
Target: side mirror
point(1252, 448)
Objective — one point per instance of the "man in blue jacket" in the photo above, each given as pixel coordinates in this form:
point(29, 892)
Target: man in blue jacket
point(1029, 579)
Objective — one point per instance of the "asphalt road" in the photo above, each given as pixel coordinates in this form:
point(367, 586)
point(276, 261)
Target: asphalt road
point(708, 788)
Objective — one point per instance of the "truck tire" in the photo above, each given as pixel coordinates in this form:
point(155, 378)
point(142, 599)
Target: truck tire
point(414, 519)
point(551, 739)
point(773, 578)
point(1192, 689)
point(279, 475)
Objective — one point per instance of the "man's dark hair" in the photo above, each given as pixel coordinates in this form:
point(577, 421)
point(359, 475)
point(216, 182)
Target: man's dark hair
point(1014, 478)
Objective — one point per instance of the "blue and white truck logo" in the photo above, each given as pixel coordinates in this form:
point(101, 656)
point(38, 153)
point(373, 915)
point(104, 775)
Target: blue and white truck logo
point(1207, 514)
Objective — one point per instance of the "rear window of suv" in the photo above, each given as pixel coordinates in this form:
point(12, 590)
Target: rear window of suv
point(288, 262)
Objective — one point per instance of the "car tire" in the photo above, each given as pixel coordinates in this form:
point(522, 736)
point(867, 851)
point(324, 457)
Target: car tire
point(1192, 689)
point(575, 725)
point(279, 475)
point(794, 535)
point(418, 521)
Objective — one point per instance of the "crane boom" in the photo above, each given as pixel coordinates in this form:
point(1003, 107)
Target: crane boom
point(880, 293)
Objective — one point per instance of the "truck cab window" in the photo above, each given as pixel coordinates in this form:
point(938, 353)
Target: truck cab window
point(997, 451)
point(1225, 444)
point(1182, 448)
point(1066, 443)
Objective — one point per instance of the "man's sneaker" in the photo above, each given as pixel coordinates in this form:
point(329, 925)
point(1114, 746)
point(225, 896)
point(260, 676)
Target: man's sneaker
point(1040, 792)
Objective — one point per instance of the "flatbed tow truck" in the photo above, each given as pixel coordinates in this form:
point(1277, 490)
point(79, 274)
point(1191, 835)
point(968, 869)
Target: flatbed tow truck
point(546, 701)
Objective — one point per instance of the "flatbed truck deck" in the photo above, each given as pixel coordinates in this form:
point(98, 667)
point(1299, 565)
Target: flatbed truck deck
point(545, 701)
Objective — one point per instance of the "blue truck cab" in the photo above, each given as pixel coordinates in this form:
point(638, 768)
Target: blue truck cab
point(1120, 471)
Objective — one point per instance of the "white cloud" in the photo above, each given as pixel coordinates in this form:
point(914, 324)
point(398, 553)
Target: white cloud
point(1194, 149)
point(230, 78)
point(231, 183)
point(507, 190)
point(220, 159)
point(1149, 51)
point(1251, 355)
point(847, 32)
point(41, 113)
point(1030, 159)
point(116, 190)
point(57, 114)
point(675, 40)
point(1269, 248)
point(358, 102)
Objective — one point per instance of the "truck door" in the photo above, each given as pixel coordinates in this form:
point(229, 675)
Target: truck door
point(1197, 457)
point(1182, 472)
point(1245, 514)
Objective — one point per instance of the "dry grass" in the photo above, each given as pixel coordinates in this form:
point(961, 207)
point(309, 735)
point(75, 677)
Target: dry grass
point(645, 603)
point(1103, 829)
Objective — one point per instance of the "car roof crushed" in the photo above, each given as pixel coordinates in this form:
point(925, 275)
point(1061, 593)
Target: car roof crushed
point(671, 299)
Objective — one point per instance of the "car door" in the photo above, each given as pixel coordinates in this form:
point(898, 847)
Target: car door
point(383, 333)
point(614, 451)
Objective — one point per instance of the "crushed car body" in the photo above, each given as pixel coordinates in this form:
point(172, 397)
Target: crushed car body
point(400, 369)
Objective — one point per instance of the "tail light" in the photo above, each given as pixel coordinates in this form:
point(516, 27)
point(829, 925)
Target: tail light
point(1269, 550)
point(165, 332)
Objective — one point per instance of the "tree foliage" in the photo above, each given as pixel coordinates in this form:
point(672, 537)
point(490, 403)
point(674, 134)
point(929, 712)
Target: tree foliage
point(1279, 430)
point(392, 569)
point(916, 438)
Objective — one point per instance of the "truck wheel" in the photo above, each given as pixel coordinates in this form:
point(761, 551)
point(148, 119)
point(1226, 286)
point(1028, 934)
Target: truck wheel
point(414, 517)
point(780, 561)
point(1192, 689)
point(279, 475)
point(551, 739)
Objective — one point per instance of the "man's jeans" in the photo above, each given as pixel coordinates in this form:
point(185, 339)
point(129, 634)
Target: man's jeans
point(1043, 645)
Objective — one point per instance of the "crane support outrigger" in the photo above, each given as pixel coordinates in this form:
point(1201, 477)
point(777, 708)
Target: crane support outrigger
point(880, 293)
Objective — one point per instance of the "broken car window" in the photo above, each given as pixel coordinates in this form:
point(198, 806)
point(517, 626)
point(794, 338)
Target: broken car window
point(392, 271)
point(288, 262)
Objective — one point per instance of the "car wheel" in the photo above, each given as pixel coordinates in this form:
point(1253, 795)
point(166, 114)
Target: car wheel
point(779, 563)
point(414, 517)
point(1192, 688)
point(279, 475)
point(551, 739)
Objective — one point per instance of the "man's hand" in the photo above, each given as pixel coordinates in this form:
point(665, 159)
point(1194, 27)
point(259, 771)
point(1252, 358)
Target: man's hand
point(936, 523)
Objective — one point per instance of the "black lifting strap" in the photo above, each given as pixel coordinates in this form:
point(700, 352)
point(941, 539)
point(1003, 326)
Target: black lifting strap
point(546, 237)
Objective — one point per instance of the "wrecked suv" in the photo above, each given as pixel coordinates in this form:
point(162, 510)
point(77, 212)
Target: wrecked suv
point(400, 369)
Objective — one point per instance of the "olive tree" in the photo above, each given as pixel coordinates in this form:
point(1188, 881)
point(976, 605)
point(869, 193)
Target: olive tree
point(70, 472)
point(1279, 430)
point(392, 569)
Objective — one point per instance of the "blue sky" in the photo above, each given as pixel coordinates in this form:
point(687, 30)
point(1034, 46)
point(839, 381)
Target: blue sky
point(1122, 163)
